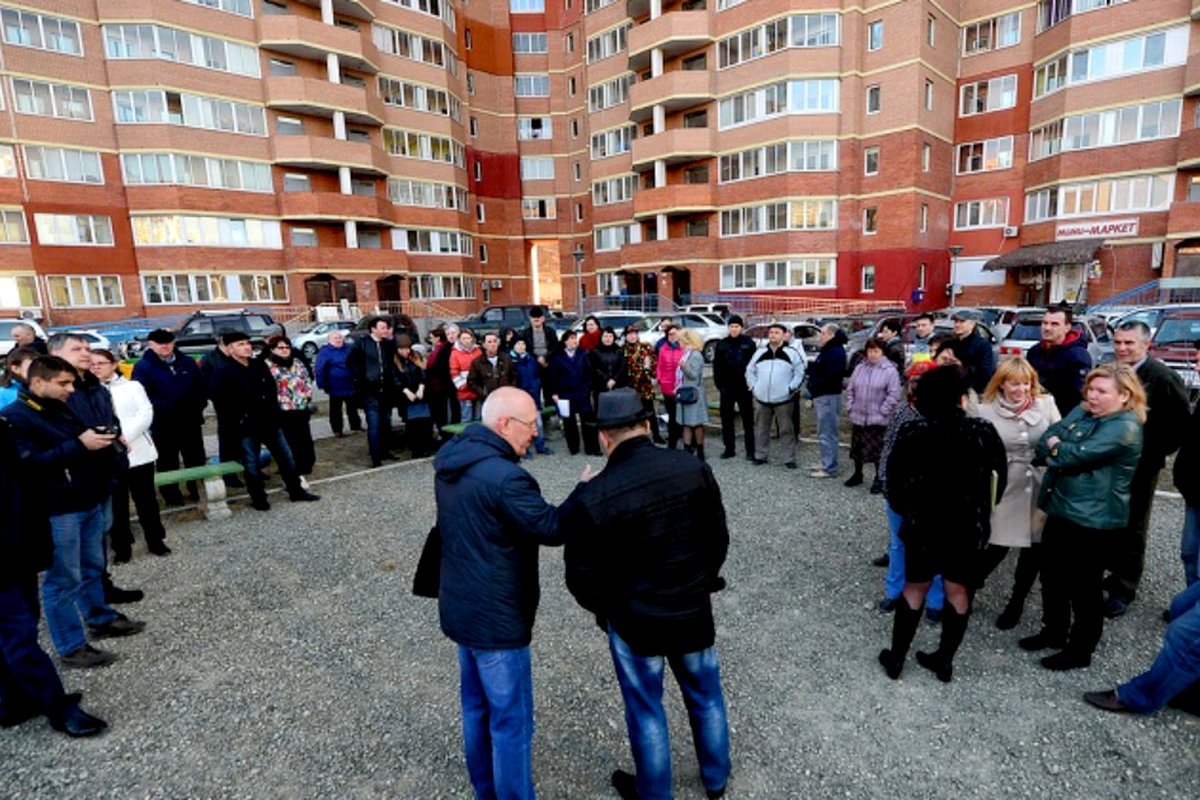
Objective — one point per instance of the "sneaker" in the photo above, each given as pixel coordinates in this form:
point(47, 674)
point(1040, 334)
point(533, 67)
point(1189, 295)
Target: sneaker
point(883, 561)
point(87, 657)
point(304, 483)
point(121, 626)
point(821, 473)
point(1116, 607)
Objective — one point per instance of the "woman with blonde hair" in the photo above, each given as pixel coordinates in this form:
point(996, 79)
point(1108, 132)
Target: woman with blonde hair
point(691, 404)
point(1091, 454)
point(1021, 411)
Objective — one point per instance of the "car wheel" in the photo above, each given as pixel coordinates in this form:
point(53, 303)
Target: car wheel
point(309, 350)
point(710, 351)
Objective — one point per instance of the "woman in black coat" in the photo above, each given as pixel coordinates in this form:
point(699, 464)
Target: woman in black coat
point(946, 512)
point(606, 365)
point(569, 382)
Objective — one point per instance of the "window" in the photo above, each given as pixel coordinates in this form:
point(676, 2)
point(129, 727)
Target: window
point(84, 291)
point(579, 212)
point(874, 99)
point(870, 223)
point(779, 216)
point(614, 237)
point(577, 170)
point(871, 161)
point(696, 175)
point(61, 164)
point(921, 270)
point(293, 182)
point(473, 126)
point(875, 35)
point(423, 146)
point(1111, 195)
point(571, 86)
point(529, 43)
point(570, 42)
point(399, 42)
point(304, 237)
point(527, 6)
point(992, 34)
point(165, 168)
point(696, 227)
point(696, 63)
point(1157, 120)
point(139, 41)
point(537, 128)
point(480, 215)
point(868, 278)
point(8, 161)
point(614, 190)
point(985, 156)
point(419, 97)
point(537, 168)
point(613, 142)
point(815, 273)
point(177, 230)
point(289, 126)
point(592, 6)
point(609, 43)
point(467, 39)
point(539, 208)
point(219, 287)
point(51, 100)
point(574, 129)
point(990, 213)
point(931, 30)
point(73, 229)
point(1052, 12)
point(438, 9)
point(1113, 59)
point(989, 95)
point(442, 286)
point(271, 8)
point(433, 241)
point(786, 97)
point(923, 219)
point(926, 156)
point(929, 95)
point(242, 8)
point(483, 253)
point(195, 111)
point(812, 155)
point(12, 227)
point(798, 30)
point(40, 31)
point(405, 192)
point(470, 83)
point(696, 119)
point(532, 85)
point(478, 170)
point(610, 93)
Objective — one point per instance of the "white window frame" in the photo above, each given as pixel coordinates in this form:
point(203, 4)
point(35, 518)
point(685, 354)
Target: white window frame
point(82, 285)
point(12, 35)
point(62, 158)
point(991, 212)
point(74, 230)
point(997, 88)
point(537, 168)
point(990, 154)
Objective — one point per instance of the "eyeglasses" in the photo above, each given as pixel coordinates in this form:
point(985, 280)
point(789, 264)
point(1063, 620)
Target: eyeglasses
point(529, 423)
point(282, 347)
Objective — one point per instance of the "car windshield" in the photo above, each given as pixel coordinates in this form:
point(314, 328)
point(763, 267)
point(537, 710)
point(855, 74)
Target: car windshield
point(621, 322)
point(1026, 330)
point(1180, 330)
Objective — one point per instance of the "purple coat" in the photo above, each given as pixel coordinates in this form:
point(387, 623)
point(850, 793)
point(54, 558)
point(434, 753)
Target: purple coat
point(873, 392)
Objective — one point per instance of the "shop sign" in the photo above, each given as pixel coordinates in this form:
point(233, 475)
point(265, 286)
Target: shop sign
point(1096, 229)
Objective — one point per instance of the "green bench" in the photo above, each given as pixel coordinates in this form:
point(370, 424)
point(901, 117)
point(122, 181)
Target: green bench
point(455, 428)
point(213, 495)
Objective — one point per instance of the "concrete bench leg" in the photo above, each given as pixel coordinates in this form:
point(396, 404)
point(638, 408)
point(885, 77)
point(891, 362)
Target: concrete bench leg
point(212, 500)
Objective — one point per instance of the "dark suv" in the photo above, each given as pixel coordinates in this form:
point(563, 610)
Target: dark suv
point(493, 318)
point(199, 332)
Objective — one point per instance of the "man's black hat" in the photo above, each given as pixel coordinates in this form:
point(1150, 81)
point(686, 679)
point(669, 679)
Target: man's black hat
point(229, 337)
point(160, 336)
point(620, 408)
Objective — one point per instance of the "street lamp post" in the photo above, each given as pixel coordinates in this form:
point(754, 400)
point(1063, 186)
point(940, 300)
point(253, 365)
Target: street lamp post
point(578, 254)
point(955, 249)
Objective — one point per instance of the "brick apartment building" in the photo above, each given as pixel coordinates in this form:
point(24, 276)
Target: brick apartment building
point(159, 155)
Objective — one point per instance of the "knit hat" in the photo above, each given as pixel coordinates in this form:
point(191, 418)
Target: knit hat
point(735, 319)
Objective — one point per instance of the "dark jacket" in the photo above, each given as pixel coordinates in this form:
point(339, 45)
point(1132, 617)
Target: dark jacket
point(894, 351)
point(24, 525)
point(483, 378)
point(643, 554)
point(529, 375)
point(961, 501)
point(1062, 368)
point(492, 518)
point(92, 403)
point(178, 391)
point(978, 357)
point(551, 340)
point(437, 372)
point(730, 360)
point(245, 397)
point(827, 372)
point(409, 376)
point(1187, 460)
point(1089, 476)
point(1166, 414)
point(569, 378)
point(332, 371)
point(372, 366)
point(607, 363)
point(68, 476)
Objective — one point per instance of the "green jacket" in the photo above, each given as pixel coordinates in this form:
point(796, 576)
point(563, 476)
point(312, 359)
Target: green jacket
point(1090, 471)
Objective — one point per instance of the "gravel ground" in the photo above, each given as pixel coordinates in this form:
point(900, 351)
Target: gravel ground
point(285, 657)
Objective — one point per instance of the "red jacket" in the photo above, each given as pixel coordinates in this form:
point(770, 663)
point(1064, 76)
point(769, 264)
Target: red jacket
point(460, 365)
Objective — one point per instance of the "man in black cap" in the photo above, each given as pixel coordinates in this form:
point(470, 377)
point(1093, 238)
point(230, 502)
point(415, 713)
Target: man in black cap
point(732, 356)
point(645, 557)
point(541, 341)
point(372, 363)
point(178, 392)
point(244, 395)
point(973, 350)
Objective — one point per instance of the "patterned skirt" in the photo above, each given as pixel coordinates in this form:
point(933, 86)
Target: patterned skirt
point(866, 442)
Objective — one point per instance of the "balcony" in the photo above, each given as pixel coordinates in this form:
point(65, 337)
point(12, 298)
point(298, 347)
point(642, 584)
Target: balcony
point(675, 146)
point(333, 206)
point(355, 9)
point(674, 91)
point(320, 98)
point(675, 200)
point(312, 39)
point(683, 250)
point(676, 32)
point(324, 153)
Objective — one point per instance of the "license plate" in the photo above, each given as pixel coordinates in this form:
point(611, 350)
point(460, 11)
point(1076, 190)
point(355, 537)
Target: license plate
point(1190, 378)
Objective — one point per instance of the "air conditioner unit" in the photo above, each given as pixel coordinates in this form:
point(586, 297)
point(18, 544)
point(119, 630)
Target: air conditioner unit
point(31, 313)
point(1011, 232)
point(497, 284)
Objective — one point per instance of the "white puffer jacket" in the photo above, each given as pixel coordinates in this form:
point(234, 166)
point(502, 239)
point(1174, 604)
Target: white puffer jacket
point(135, 414)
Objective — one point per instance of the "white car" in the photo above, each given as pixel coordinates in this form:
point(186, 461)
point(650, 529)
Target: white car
point(6, 329)
point(95, 339)
point(313, 338)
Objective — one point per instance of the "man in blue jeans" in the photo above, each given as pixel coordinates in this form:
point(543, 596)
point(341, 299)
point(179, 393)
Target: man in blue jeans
point(645, 556)
point(1174, 677)
point(492, 519)
point(74, 464)
point(825, 377)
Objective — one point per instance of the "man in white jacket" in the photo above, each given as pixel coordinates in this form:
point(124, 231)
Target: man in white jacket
point(774, 376)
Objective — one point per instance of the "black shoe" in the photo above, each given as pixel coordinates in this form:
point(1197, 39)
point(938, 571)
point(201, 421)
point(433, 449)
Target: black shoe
point(1065, 660)
point(75, 722)
point(888, 604)
point(758, 462)
point(883, 561)
point(303, 497)
point(892, 665)
point(790, 464)
point(1043, 640)
point(87, 657)
point(159, 548)
point(1010, 616)
point(877, 486)
point(714, 794)
point(854, 480)
point(121, 626)
point(750, 457)
point(1106, 700)
point(937, 665)
point(233, 482)
point(260, 504)
point(625, 784)
point(1116, 607)
point(1166, 615)
point(117, 595)
point(122, 556)
point(728, 454)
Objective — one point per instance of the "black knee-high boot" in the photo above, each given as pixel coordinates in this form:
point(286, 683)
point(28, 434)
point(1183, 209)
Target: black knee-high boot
point(857, 478)
point(1028, 566)
point(904, 628)
point(941, 661)
point(700, 452)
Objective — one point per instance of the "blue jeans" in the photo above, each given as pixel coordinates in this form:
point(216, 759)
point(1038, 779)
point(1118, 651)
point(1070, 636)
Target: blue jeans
point(699, 678)
point(27, 676)
point(828, 407)
point(497, 709)
point(379, 426)
point(72, 584)
point(1178, 663)
point(1189, 544)
point(893, 584)
point(470, 410)
point(277, 446)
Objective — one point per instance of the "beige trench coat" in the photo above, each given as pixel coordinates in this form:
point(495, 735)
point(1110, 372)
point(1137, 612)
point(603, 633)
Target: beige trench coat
point(1016, 519)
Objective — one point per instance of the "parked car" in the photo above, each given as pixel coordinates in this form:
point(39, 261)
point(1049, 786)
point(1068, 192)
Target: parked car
point(493, 318)
point(200, 331)
point(6, 329)
point(710, 327)
point(1027, 331)
point(721, 310)
point(95, 339)
point(314, 337)
point(401, 323)
point(1174, 342)
point(1152, 315)
point(1000, 319)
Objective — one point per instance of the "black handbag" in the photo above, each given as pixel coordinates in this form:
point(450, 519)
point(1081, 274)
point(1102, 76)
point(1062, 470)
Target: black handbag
point(687, 395)
point(428, 576)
